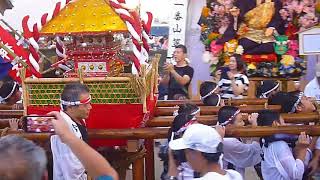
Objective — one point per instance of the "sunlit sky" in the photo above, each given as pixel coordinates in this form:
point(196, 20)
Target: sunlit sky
point(35, 8)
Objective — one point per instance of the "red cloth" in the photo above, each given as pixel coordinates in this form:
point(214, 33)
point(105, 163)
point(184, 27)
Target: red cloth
point(109, 116)
point(259, 58)
point(12, 44)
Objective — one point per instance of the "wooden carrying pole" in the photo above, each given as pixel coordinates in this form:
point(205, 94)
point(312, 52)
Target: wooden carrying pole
point(234, 102)
point(10, 114)
point(161, 133)
point(165, 121)
point(210, 110)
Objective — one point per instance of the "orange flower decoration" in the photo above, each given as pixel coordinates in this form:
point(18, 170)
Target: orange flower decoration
point(213, 36)
point(317, 6)
point(205, 12)
point(203, 27)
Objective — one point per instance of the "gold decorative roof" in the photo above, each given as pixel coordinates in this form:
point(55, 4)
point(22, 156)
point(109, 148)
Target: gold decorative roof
point(83, 17)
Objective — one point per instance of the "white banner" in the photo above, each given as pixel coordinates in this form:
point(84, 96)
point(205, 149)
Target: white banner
point(177, 24)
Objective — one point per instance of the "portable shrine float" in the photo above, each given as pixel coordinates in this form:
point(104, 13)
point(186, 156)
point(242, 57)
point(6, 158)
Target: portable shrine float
point(90, 29)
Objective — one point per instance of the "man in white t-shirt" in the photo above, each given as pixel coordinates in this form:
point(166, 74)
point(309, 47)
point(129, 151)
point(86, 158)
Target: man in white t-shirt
point(203, 149)
point(313, 87)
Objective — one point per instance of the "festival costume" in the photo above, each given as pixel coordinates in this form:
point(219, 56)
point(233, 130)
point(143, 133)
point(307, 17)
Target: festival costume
point(66, 166)
point(240, 155)
point(313, 89)
point(280, 164)
point(230, 175)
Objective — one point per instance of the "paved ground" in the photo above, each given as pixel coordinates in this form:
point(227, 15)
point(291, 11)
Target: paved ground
point(250, 172)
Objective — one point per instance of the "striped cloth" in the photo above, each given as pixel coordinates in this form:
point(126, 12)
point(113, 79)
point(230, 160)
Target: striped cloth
point(226, 89)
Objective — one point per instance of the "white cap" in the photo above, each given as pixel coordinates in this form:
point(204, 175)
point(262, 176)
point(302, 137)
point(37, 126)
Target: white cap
point(318, 69)
point(198, 137)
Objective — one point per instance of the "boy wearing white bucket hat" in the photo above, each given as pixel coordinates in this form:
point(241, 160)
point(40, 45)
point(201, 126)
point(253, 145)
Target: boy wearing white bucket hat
point(203, 149)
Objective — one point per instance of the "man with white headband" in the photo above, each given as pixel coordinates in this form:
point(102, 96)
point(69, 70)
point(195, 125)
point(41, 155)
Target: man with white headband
point(9, 94)
point(75, 108)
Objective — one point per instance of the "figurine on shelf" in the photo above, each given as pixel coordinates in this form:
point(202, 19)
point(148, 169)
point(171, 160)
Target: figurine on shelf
point(254, 22)
point(281, 44)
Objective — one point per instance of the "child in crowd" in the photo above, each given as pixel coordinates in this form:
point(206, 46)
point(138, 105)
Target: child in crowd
point(237, 154)
point(203, 148)
point(209, 94)
point(295, 102)
point(190, 109)
point(284, 156)
point(178, 165)
point(186, 113)
point(267, 88)
point(10, 94)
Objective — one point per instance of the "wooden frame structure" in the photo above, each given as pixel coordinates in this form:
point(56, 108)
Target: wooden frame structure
point(210, 110)
point(115, 90)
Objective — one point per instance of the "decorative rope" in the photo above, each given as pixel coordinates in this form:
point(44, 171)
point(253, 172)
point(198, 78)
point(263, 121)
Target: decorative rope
point(5, 131)
point(60, 49)
point(33, 36)
point(137, 84)
point(139, 30)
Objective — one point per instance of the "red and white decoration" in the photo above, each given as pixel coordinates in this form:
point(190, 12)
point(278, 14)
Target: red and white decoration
point(139, 28)
point(32, 36)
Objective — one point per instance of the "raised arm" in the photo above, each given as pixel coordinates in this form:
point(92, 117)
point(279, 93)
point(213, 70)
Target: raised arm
point(95, 164)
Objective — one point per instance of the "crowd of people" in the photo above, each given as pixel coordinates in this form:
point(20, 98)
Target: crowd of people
point(230, 81)
point(193, 150)
point(73, 158)
point(191, 154)
point(196, 151)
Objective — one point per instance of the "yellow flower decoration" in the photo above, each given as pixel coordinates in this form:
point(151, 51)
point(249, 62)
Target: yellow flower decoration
point(231, 46)
point(287, 60)
point(252, 66)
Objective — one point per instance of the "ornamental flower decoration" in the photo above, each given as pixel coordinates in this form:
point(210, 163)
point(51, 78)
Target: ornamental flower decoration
point(300, 13)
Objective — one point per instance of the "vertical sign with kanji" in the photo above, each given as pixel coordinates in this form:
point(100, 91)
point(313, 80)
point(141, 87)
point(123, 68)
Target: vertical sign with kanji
point(177, 24)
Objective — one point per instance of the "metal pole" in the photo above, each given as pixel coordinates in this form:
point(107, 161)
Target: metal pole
point(16, 57)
